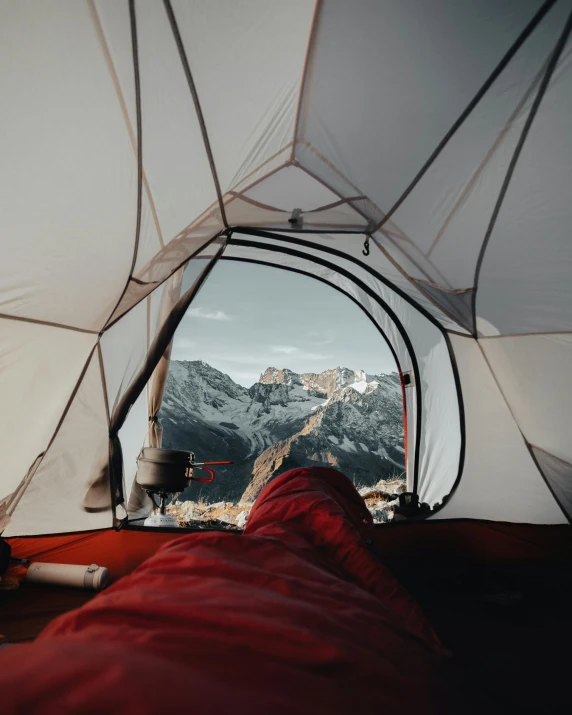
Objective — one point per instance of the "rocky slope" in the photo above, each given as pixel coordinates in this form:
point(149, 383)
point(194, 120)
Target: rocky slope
point(346, 419)
point(380, 499)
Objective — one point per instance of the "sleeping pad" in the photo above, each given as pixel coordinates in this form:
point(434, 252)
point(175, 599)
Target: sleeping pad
point(295, 615)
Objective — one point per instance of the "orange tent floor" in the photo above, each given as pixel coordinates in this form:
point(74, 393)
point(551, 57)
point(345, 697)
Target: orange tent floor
point(498, 596)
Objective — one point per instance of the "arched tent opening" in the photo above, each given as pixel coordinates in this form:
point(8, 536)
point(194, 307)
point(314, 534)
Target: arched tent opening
point(294, 373)
point(130, 367)
point(475, 307)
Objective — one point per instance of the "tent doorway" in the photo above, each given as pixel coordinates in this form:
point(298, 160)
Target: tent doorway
point(276, 370)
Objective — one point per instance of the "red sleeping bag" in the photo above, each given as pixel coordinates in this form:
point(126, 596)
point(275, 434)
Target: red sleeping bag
point(296, 615)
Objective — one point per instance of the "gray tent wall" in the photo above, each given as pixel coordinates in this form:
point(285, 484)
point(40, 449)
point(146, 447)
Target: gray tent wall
point(71, 487)
point(439, 129)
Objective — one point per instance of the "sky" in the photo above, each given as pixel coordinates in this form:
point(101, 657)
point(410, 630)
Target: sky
point(249, 317)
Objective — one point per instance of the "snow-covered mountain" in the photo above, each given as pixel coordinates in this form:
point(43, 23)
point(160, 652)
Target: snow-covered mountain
point(350, 420)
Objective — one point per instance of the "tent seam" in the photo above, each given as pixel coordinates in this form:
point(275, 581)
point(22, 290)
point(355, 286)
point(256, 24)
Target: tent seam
point(550, 454)
point(506, 59)
point(392, 239)
point(324, 228)
point(196, 102)
point(550, 488)
point(158, 284)
point(481, 167)
point(555, 56)
point(361, 213)
point(270, 207)
point(276, 154)
point(417, 285)
point(135, 54)
point(55, 534)
point(306, 73)
point(103, 381)
point(339, 202)
point(48, 324)
point(525, 335)
point(148, 311)
point(123, 105)
point(40, 458)
point(334, 168)
point(526, 442)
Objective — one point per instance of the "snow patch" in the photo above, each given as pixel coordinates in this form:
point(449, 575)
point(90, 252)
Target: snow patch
point(242, 518)
point(322, 404)
point(380, 516)
point(360, 386)
point(348, 445)
point(333, 440)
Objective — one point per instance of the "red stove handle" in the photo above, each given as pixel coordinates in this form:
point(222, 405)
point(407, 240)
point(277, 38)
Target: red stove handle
point(216, 463)
point(205, 479)
point(206, 469)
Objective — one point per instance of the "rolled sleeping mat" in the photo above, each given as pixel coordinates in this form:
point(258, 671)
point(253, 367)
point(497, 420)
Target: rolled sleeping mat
point(92, 577)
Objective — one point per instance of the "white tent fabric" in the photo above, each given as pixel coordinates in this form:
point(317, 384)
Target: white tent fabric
point(138, 137)
point(500, 480)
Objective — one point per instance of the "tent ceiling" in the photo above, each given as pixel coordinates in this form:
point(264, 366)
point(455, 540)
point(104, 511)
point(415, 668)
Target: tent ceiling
point(136, 133)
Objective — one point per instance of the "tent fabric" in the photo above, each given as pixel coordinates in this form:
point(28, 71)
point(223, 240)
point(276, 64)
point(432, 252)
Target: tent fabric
point(69, 487)
point(500, 478)
point(156, 386)
point(350, 45)
point(447, 213)
point(327, 626)
point(140, 136)
point(54, 497)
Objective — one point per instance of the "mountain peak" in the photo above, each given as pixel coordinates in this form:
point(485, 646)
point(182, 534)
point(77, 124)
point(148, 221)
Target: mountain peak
point(199, 376)
point(326, 382)
point(276, 376)
point(339, 417)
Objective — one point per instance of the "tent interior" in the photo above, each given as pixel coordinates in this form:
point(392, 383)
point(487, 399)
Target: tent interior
point(415, 157)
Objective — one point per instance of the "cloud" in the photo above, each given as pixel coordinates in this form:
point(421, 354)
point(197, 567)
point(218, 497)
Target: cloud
point(183, 348)
point(319, 338)
point(297, 352)
point(183, 342)
point(261, 359)
point(217, 358)
point(207, 314)
point(284, 349)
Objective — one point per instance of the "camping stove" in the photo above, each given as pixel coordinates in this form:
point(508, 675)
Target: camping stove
point(164, 473)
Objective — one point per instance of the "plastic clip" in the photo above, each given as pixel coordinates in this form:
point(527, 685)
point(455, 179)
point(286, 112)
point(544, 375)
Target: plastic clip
point(296, 220)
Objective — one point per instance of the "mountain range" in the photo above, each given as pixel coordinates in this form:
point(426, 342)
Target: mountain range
point(349, 420)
